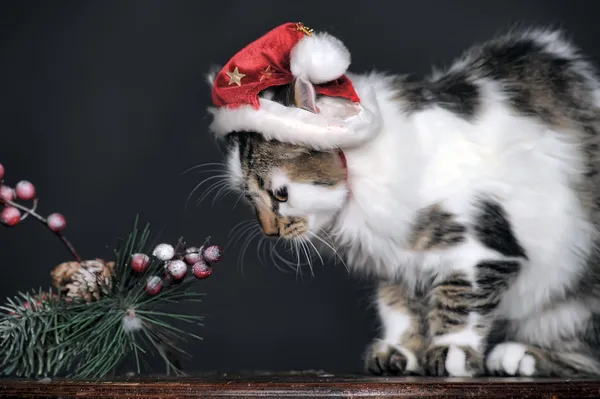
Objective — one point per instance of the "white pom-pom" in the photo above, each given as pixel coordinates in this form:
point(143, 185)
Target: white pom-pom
point(320, 58)
point(164, 252)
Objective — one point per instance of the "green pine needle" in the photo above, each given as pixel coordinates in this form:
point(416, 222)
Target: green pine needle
point(43, 334)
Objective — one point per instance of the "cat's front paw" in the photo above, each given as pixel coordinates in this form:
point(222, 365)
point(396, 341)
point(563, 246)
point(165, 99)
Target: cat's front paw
point(511, 359)
point(452, 361)
point(385, 359)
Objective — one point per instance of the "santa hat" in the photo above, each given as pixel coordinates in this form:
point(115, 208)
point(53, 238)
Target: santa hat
point(291, 53)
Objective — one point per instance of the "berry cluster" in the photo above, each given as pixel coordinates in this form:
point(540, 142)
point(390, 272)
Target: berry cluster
point(176, 263)
point(12, 213)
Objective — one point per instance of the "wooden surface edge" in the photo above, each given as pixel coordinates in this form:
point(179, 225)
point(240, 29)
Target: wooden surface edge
point(311, 386)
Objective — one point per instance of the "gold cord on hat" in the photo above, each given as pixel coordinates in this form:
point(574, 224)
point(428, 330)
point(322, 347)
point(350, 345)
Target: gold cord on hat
point(304, 29)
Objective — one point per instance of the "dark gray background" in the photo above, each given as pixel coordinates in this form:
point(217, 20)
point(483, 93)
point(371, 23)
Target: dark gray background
point(102, 106)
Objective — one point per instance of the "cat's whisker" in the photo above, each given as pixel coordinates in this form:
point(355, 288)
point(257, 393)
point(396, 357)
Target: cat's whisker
point(226, 189)
point(245, 246)
point(238, 200)
point(274, 250)
point(286, 262)
point(275, 244)
point(203, 166)
point(241, 233)
point(306, 251)
point(261, 241)
point(210, 189)
point(210, 171)
point(301, 252)
point(297, 256)
point(316, 251)
point(267, 249)
point(259, 248)
point(236, 228)
point(223, 188)
point(330, 247)
point(201, 184)
point(299, 249)
point(237, 232)
point(290, 246)
point(271, 255)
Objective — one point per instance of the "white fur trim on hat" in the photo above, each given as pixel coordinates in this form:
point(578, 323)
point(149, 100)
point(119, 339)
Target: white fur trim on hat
point(320, 57)
point(297, 126)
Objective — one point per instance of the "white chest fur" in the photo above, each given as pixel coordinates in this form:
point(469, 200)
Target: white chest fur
point(433, 157)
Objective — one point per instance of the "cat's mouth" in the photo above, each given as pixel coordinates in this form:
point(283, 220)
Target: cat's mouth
point(294, 228)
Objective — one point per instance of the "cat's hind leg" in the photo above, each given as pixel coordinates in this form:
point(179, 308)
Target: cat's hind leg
point(397, 352)
point(570, 348)
point(521, 360)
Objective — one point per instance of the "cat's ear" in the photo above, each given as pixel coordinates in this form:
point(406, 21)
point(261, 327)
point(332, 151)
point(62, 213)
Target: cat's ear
point(211, 75)
point(305, 96)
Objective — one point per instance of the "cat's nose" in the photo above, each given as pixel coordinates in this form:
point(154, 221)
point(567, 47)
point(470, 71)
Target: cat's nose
point(268, 223)
point(270, 231)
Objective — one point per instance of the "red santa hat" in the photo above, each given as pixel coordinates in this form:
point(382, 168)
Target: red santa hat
point(290, 53)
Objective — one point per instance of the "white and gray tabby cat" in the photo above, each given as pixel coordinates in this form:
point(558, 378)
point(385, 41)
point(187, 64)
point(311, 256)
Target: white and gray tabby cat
point(476, 206)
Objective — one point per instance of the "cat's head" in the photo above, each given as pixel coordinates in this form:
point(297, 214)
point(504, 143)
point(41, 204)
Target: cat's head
point(294, 191)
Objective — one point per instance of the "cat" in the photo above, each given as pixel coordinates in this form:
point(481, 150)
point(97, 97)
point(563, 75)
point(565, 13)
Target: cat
point(476, 207)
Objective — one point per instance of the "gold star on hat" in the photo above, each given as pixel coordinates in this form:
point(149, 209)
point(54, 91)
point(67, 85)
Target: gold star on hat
point(235, 77)
point(266, 74)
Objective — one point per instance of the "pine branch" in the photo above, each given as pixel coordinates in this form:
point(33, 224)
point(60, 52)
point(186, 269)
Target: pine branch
point(48, 333)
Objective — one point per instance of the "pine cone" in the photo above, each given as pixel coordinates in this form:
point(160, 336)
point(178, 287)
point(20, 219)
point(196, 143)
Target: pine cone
point(63, 272)
point(86, 280)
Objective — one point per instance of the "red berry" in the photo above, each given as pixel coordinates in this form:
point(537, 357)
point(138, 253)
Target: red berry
point(36, 305)
point(139, 262)
point(7, 193)
point(213, 254)
point(56, 222)
point(1, 172)
point(154, 285)
point(10, 216)
point(192, 255)
point(25, 190)
point(201, 269)
point(177, 269)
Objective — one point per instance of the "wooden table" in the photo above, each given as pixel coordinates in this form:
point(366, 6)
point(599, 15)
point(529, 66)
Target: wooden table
point(301, 385)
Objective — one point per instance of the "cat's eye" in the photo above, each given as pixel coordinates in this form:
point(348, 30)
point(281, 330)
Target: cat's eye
point(260, 181)
point(281, 194)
